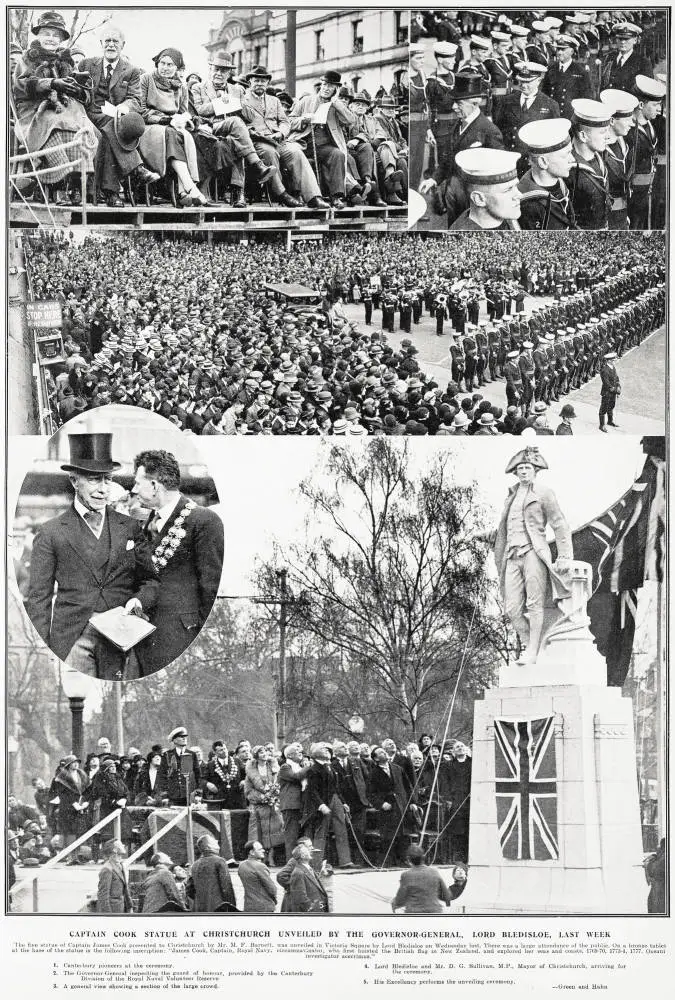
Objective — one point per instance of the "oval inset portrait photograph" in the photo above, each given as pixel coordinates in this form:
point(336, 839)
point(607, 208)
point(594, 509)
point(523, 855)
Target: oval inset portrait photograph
point(123, 556)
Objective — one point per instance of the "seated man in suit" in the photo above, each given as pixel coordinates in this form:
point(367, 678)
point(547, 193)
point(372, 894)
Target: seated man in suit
point(187, 549)
point(116, 82)
point(320, 122)
point(269, 129)
point(97, 558)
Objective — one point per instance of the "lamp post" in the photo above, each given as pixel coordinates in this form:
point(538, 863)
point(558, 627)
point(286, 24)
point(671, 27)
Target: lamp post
point(75, 687)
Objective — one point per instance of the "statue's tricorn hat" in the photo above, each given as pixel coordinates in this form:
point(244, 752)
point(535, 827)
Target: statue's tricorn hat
point(528, 455)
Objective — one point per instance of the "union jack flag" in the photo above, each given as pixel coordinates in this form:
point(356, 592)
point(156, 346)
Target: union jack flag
point(526, 789)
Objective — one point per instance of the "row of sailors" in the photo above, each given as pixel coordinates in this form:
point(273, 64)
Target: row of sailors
point(551, 363)
point(600, 170)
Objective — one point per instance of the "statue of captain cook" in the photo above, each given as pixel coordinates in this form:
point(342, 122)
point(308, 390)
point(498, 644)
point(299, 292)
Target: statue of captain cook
point(532, 584)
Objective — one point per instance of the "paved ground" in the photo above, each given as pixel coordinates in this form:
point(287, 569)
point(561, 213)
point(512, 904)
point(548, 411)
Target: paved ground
point(641, 407)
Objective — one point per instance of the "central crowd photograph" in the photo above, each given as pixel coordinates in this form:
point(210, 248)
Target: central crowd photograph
point(339, 676)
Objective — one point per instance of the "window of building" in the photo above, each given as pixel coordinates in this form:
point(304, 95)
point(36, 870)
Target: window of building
point(356, 80)
point(319, 51)
point(257, 55)
point(357, 36)
point(401, 27)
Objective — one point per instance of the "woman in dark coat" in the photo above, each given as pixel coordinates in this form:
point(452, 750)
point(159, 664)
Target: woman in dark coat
point(69, 786)
point(171, 141)
point(110, 791)
point(50, 98)
point(146, 783)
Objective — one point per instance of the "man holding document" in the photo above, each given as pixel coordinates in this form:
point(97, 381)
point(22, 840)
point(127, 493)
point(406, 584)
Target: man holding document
point(319, 123)
point(96, 558)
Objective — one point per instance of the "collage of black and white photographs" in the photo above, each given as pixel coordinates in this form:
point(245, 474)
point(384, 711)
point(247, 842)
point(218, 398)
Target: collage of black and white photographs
point(365, 713)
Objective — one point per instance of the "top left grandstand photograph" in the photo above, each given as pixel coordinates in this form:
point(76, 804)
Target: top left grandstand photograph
point(208, 117)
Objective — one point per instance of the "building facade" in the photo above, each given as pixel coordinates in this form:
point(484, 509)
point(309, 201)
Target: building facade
point(368, 47)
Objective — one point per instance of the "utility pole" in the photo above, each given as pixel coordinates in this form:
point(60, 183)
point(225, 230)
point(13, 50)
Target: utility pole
point(291, 23)
point(283, 621)
point(283, 601)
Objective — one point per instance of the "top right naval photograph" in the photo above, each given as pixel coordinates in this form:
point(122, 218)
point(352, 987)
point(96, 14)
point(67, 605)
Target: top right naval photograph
point(542, 119)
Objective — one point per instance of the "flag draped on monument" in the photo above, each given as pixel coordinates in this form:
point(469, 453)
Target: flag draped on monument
point(526, 788)
point(625, 546)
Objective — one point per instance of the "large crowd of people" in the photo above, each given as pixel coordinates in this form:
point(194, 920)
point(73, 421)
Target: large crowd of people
point(199, 140)
point(351, 804)
point(540, 119)
point(189, 330)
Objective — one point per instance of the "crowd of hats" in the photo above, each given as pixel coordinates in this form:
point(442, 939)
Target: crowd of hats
point(189, 331)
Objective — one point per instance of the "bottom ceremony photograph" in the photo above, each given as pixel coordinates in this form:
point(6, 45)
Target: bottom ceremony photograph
point(431, 683)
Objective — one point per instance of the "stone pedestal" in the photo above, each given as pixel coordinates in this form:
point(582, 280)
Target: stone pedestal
point(599, 834)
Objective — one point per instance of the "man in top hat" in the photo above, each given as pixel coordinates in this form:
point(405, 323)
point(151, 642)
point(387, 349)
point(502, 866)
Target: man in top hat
point(179, 773)
point(187, 548)
point(97, 559)
point(491, 180)
point(524, 104)
point(642, 140)
point(567, 78)
point(609, 392)
point(627, 62)
point(529, 580)
point(269, 129)
point(320, 121)
point(228, 126)
point(116, 82)
point(589, 180)
point(546, 202)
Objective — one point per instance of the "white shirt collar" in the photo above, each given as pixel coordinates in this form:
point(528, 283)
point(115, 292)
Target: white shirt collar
point(113, 64)
point(164, 513)
point(472, 117)
point(82, 510)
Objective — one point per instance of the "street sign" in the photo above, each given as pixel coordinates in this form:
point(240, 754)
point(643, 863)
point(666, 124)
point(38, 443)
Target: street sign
point(44, 314)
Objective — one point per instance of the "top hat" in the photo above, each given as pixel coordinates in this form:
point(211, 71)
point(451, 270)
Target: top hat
point(129, 129)
point(51, 19)
point(258, 73)
point(468, 84)
point(387, 101)
point(331, 77)
point(221, 60)
point(90, 453)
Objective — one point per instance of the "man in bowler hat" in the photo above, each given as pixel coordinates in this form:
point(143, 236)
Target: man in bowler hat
point(96, 558)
